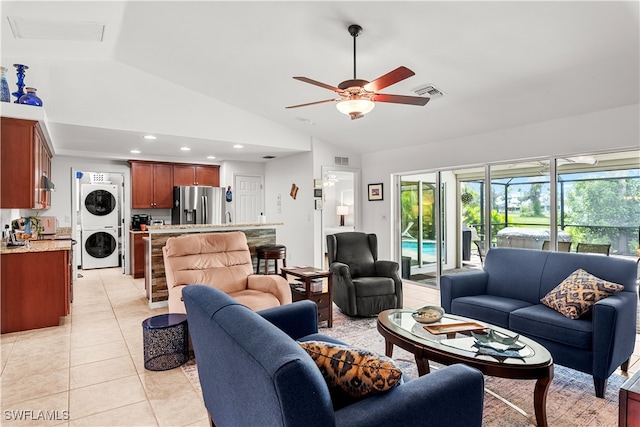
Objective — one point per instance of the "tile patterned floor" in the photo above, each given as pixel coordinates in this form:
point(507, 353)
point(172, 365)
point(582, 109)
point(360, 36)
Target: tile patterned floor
point(89, 371)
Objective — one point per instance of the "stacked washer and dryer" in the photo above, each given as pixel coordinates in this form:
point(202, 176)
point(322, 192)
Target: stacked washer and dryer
point(99, 216)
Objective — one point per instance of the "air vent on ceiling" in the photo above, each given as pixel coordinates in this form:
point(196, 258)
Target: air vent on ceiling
point(27, 28)
point(342, 161)
point(429, 89)
point(268, 157)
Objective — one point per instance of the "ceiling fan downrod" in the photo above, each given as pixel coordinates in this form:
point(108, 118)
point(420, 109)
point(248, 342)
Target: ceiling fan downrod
point(355, 31)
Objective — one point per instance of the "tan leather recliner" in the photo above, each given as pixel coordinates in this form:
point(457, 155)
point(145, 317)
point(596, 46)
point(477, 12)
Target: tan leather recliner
point(223, 261)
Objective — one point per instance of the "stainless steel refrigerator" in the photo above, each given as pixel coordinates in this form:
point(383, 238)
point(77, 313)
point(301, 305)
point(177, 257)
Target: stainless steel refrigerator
point(198, 205)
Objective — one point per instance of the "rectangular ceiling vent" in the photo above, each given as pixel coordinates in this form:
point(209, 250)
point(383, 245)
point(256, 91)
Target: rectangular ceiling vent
point(28, 28)
point(341, 161)
point(430, 90)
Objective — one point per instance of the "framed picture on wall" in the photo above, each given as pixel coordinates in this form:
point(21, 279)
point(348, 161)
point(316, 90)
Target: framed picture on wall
point(375, 191)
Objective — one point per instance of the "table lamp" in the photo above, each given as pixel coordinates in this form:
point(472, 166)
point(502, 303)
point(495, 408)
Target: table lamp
point(342, 211)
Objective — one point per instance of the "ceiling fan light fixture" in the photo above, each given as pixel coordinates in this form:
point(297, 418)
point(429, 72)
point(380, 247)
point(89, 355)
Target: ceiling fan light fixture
point(355, 106)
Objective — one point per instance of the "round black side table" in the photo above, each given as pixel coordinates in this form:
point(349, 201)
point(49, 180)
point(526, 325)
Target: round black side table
point(166, 341)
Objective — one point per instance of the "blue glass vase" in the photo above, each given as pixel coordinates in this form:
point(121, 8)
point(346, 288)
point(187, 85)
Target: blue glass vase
point(30, 98)
point(5, 94)
point(20, 69)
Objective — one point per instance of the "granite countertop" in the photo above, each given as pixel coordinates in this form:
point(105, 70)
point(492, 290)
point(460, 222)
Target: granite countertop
point(192, 226)
point(38, 246)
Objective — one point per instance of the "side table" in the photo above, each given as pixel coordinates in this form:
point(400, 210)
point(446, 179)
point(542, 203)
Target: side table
point(629, 406)
point(166, 341)
point(323, 298)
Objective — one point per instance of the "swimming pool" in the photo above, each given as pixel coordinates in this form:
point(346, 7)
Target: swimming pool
point(410, 248)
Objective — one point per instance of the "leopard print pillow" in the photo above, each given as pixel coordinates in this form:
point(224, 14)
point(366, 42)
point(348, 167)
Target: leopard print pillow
point(357, 372)
point(578, 293)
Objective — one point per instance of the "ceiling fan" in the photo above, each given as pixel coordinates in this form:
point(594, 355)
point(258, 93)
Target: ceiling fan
point(358, 97)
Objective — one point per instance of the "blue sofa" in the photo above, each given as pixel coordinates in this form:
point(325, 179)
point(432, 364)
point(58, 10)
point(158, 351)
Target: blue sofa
point(507, 293)
point(254, 373)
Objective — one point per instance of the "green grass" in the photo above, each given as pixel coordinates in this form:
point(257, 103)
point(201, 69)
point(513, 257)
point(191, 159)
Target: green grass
point(535, 221)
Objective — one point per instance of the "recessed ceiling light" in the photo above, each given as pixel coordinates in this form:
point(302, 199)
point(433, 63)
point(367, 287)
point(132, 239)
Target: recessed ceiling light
point(185, 148)
point(135, 151)
point(211, 157)
point(149, 137)
point(237, 146)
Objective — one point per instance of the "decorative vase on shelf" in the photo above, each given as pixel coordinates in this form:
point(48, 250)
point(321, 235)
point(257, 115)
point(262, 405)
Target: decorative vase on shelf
point(30, 98)
point(20, 69)
point(5, 94)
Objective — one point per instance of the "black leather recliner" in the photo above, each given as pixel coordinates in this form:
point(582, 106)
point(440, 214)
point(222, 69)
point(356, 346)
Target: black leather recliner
point(362, 284)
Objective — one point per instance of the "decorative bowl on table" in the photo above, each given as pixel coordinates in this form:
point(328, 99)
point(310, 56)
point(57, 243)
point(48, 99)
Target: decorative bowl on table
point(428, 314)
point(498, 342)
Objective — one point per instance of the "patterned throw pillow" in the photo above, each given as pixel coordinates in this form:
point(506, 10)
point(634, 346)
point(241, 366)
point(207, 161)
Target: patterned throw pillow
point(577, 294)
point(357, 372)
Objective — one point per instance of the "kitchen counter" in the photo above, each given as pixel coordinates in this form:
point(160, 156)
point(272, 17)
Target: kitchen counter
point(38, 246)
point(209, 227)
point(37, 284)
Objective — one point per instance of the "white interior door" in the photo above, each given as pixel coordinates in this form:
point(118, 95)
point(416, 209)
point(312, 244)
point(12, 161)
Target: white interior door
point(248, 198)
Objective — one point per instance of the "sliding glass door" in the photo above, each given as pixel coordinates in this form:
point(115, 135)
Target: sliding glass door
point(546, 204)
point(419, 221)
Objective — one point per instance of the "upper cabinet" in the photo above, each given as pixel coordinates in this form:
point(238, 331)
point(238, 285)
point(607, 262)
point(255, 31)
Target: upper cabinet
point(151, 185)
point(25, 160)
point(196, 175)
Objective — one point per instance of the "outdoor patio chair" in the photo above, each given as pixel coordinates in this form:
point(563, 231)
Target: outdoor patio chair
point(481, 251)
point(562, 246)
point(594, 248)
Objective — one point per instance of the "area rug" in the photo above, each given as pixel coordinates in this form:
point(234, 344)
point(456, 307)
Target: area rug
point(571, 401)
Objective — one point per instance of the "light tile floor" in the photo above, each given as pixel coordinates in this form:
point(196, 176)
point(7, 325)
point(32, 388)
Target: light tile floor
point(89, 371)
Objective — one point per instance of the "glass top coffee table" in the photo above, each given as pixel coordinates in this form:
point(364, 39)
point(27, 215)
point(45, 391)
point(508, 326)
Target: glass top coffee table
point(448, 346)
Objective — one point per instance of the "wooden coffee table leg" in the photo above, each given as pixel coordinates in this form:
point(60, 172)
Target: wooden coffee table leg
point(388, 348)
point(423, 365)
point(540, 398)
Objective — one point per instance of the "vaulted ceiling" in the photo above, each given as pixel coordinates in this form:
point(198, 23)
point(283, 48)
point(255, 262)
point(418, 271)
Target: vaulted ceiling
point(210, 74)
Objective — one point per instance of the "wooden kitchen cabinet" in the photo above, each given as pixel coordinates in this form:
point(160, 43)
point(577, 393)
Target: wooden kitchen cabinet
point(36, 289)
point(151, 185)
point(25, 158)
point(196, 175)
point(137, 254)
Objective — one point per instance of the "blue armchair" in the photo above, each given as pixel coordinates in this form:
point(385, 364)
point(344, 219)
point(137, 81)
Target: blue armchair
point(253, 372)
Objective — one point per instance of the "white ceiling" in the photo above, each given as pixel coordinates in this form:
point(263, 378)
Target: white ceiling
point(206, 74)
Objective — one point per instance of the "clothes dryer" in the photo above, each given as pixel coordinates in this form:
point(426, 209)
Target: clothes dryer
point(100, 247)
point(100, 205)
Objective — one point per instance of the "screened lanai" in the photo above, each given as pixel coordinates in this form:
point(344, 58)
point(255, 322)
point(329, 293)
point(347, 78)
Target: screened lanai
point(593, 205)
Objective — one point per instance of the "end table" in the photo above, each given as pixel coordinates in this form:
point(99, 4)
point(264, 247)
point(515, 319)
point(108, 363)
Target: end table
point(323, 298)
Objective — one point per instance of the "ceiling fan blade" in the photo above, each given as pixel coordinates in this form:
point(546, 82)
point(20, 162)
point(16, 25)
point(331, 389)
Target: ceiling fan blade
point(312, 103)
point(400, 99)
point(317, 83)
point(388, 79)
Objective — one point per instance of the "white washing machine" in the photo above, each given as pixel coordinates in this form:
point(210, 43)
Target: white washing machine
point(100, 247)
point(99, 206)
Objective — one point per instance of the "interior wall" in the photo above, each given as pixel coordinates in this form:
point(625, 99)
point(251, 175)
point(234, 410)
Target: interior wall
point(324, 156)
point(607, 130)
point(298, 215)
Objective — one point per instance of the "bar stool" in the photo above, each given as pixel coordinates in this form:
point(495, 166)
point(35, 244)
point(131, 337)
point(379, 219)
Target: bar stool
point(274, 252)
